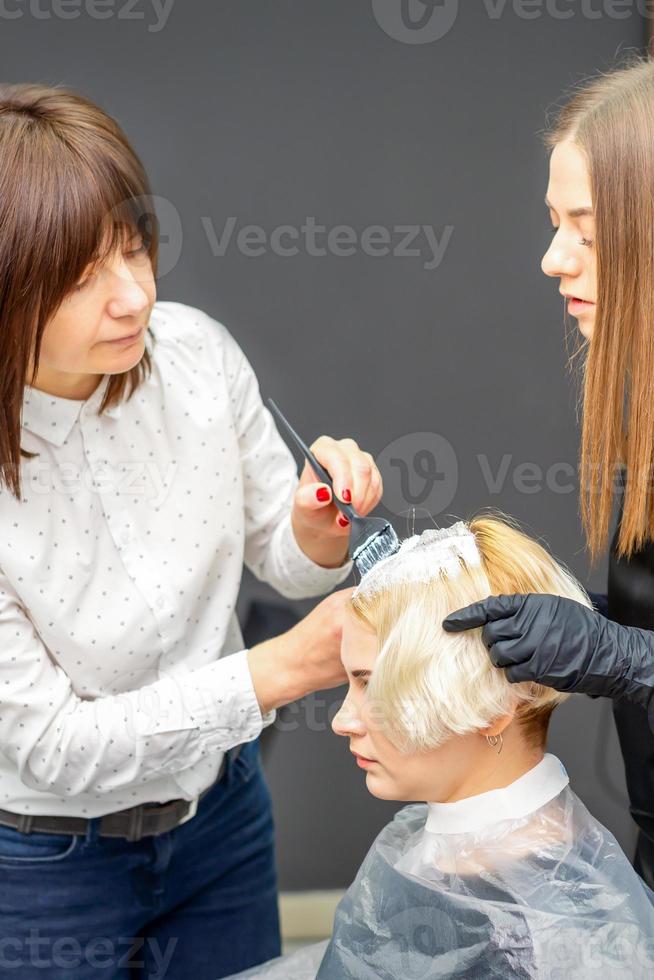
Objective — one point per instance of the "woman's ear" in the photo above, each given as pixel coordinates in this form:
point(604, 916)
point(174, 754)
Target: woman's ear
point(499, 725)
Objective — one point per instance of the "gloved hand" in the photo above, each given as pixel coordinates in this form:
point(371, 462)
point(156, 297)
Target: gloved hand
point(563, 644)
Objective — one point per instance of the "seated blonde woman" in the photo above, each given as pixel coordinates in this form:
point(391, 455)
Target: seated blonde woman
point(502, 872)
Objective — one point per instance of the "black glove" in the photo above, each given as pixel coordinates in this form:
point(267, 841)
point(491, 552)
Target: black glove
point(563, 644)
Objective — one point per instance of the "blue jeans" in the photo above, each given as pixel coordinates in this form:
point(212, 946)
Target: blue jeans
point(196, 903)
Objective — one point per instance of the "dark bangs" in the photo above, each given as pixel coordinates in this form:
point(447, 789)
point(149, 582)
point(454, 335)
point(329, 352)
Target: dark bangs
point(90, 201)
point(73, 191)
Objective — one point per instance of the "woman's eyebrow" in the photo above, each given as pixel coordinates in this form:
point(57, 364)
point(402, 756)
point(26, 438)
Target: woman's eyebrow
point(575, 212)
point(361, 673)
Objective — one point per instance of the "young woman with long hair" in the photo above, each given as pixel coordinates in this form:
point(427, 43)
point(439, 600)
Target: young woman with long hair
point(601, 205)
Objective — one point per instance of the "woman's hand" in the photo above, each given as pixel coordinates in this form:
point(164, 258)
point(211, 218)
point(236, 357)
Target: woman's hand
point(563, 644)
point(304, 659)
point(320, 529)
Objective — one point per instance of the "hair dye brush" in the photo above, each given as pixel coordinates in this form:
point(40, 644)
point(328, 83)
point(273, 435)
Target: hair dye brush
point(371, 538)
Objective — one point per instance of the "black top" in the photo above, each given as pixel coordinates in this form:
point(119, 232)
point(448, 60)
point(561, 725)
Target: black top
point(631, 602)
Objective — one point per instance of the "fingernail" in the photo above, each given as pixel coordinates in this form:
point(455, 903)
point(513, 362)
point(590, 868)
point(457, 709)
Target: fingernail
point(322, 494)
point(343, 521)
point(347, 496)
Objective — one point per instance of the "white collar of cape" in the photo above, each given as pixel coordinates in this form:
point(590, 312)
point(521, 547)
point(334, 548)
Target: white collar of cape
point(527, 793)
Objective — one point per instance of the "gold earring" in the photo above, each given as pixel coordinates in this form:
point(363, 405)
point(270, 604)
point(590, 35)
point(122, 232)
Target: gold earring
point(494, 739)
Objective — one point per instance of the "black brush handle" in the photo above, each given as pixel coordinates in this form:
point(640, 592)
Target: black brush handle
point(317, 467)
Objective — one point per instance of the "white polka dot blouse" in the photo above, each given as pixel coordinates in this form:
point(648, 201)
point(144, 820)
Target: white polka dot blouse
point(123, 673)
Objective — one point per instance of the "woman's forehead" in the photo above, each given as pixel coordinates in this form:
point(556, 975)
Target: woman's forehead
point(359, 644)
point(569, 183)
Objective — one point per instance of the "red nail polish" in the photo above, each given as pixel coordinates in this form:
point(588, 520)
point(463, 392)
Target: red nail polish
point(347, 496)
point(343, 521)
point(322, 494)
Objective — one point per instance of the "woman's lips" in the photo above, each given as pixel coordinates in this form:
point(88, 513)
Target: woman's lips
point(576, 306)
point(363, 762)
point(126, 340)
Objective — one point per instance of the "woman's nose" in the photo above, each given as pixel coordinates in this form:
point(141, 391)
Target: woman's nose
point(347, 722)
point(130, 293)
point(557, 262)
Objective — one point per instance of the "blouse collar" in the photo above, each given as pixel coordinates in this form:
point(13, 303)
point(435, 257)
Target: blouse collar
point(527, 793)
point(52, 417)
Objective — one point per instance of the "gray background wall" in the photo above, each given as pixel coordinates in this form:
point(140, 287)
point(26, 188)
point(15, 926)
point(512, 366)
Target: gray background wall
point(270, 113)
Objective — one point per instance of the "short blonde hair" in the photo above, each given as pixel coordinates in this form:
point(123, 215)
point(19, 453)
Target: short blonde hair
point(428, 684)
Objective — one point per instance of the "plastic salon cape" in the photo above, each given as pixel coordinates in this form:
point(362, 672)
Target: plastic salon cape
point(517, 882)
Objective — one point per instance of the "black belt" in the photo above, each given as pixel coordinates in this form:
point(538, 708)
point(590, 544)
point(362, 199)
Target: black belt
point(143, 820)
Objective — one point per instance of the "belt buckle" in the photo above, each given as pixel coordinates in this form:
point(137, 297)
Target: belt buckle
point(193, 809)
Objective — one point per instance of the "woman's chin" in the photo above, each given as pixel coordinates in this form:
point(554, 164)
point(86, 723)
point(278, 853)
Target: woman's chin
point(586, 329)
point(382, 787)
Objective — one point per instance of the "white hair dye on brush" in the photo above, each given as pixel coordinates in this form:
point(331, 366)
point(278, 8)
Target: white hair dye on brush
point(423, 558)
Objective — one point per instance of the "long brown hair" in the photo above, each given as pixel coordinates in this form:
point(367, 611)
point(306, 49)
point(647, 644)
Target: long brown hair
point(72, 189)
point(610, 117)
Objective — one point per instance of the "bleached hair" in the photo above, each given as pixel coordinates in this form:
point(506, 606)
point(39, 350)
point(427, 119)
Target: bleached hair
point(429, 684)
